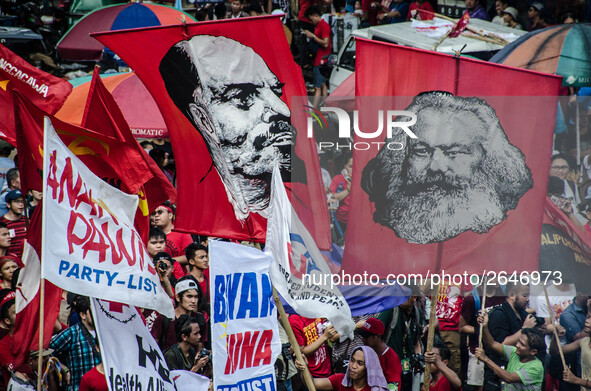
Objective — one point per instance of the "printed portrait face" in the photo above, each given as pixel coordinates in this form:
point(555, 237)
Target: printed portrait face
point(234, 100)
point(459, 174)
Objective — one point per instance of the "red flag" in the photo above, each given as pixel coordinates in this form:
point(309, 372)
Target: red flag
point(460, 26)
point(44, 90)
point(26, 332)
point(465, 195)
point(228, 96)
point(103, 116)
point(111, 159)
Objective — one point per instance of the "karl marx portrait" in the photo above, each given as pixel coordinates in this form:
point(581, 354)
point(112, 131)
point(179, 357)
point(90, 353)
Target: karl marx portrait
point(233, 99)
point(459, 174)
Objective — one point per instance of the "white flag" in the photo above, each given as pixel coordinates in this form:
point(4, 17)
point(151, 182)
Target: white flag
point(89, 244)
point(189, 381)
point(131, 357)
point(245, 337)
point(296, 255)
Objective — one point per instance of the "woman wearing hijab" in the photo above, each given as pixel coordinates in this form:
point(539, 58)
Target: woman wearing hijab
point(363, 374)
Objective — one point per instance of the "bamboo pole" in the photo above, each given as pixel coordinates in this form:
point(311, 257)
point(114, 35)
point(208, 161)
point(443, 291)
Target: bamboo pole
point(430, 336)
point(482, 307)
point(555, 331)
point(292, 340)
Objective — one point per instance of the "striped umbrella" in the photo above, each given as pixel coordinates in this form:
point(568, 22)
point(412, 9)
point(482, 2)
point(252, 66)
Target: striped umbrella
point(137, 105)
point(77, 44)
point(564, 50)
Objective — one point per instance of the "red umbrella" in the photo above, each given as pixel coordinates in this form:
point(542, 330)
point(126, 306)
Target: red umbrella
point(134, 100)
point(77, 44)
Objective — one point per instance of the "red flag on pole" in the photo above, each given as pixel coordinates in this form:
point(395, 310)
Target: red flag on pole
point(44, 90)
point(26, 332)
point(102, 115)
point(460, 187)
point(228, 95)
point(114, 161)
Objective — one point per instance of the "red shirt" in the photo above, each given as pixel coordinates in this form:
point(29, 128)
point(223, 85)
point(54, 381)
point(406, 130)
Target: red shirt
point(442, 385)
point(18, 233)
point(336, 381)
point(176, 243)
point(306, 331)
point(93, 380)
point(343, 210)
point(449, 307)
point(421, 15)
point(391, 366)
point(322, 31)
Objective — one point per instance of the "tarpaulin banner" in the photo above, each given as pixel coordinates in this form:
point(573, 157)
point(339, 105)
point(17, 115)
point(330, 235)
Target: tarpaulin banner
point(227, 94)
point(565, 250)
point(131, 357)
point(90, 246)
point(454, 178)
point(46, 91)
point(299, 271)
point(245, 337)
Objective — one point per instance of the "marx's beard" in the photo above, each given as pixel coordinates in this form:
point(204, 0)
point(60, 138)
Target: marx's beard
point(436, 207)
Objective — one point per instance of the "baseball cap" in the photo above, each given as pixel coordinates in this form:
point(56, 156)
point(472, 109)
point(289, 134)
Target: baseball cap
point(163, 255)
point(538, 6)
point(511, 11)
point(185, 285)
point(13, 195)
point(373, 326)
point(35, 353)
point(11, 295)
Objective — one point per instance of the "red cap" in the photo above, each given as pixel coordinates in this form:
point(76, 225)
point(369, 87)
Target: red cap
point(374, 326)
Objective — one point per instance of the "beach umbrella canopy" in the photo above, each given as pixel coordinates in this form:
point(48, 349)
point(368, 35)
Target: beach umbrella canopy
point(137, 105)
point(564, 50)
point(77, 45)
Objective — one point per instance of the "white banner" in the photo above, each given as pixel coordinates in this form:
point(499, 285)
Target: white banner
point(89, 244)
point(189, 381)
point(131, 357)
point(245, 338)
point(297, 255)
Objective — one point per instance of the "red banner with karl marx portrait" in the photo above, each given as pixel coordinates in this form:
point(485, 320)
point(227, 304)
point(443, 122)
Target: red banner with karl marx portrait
point(226, 90)
point(462, 188)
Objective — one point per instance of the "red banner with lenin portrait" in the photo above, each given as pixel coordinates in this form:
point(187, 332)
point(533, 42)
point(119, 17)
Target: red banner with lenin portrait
point(227, 91)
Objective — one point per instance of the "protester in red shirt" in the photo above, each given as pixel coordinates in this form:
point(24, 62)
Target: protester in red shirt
point(320, 37)
point(312, 336)
point(372, 332)
point(364, 374)
point(340, 187)
point(176, 242)
point(15, 221)
point(414, 11)
point(442, 377)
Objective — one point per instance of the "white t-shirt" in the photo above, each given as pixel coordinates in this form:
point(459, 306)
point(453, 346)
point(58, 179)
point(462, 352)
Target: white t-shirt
point(559, 300)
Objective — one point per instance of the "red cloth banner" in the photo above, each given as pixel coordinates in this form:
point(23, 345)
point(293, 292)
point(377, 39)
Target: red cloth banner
point(460, 25)
point(228, 94)
point(26, 331)
point(102, 115)
point(467, 194)
point(111, 159)
point(44, 90)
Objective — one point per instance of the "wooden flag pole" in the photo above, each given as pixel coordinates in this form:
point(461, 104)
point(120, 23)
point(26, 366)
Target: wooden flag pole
point(482, 307)
point(41, 316)
point(550, 312)
point(292, 339)
point(430, 336)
